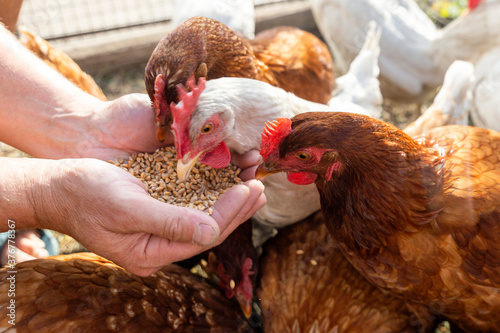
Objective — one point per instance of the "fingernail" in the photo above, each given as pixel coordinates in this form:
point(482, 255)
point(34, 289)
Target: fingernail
point(204, 235)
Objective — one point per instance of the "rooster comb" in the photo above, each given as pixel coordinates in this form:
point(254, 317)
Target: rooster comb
point(189, 96)
point(274, 132)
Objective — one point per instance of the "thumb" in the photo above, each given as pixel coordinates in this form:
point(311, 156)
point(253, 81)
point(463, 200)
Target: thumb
point(178, 224)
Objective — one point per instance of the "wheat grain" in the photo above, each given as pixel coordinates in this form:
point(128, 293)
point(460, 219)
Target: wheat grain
point(158, 173)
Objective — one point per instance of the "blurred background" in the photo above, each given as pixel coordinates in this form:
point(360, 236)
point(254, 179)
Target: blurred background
point(113, 39)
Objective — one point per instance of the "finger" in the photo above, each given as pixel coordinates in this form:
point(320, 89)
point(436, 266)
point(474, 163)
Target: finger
point(246, 160)
point(248, 173)
point(255, 202)
point(22, 256)
point(177, 224)
point(31, 244)
point(235, 205)
point(154, 252)
point(32, 235)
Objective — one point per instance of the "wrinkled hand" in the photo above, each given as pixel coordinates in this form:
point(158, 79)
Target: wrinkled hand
point(121, 127)
point(109, 212)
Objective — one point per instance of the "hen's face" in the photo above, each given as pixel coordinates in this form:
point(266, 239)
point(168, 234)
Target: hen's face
point(198, 136)
point(205, 143)
point(302, 158)
point(302, 166)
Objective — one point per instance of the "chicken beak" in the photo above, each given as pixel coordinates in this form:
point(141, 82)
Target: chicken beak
point(246, 307)
point(185, 165)
point(263, 171)
point(161, 133)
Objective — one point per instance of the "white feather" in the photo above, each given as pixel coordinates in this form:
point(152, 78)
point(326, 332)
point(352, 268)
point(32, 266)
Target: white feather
point(238, 15)
point(414, 53)
point(485, 110)
point(452, 104)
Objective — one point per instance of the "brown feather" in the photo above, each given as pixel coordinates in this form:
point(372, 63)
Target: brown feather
point(419, 218)
point(307, 284)
point(60, 294)
point(294, 64)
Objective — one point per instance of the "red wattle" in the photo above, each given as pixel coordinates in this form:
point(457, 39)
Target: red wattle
point(301, 178)
point(218, 158)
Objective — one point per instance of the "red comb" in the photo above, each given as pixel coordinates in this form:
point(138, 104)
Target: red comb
point(182, 114)
point(274, 132)
point(473, 3)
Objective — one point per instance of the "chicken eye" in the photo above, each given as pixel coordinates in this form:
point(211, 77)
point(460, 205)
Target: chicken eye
point(303, 156)
point(207, 128)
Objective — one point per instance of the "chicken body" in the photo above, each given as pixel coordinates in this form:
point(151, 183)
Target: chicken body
point(307, 285)
point(287, 57)
point(86, 293)
point(238, 109)
point(418, 218)
point(485, 91)
point(414, 53)
point(452, 104)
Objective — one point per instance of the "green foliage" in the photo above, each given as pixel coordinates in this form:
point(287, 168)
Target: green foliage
point(449, 9)
point(443, 12)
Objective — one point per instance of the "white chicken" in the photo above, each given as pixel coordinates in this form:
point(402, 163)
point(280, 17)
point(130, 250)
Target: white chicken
point(452, 104)
point(414, 53)
point(485, 110)
point(467, 90)
point(230, 115)
point(238, 15)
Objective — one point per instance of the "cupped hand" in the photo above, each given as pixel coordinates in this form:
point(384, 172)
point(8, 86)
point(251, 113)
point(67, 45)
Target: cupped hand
point(248, 162)
point(110, 212)
point(121, 127)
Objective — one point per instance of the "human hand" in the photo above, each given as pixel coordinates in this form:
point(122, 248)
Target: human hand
point(121, 127)
point(110, 212)
point(29, 246)
point(248, 162)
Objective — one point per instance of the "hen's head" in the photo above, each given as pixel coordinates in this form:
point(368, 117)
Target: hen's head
point(240, 287)
point(201, 136)
point(321, 146)
point(200, 45)
point(179, 54)
point(234, 263)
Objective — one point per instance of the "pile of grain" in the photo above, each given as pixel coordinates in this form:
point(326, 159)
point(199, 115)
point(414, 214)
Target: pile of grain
point(200, 191)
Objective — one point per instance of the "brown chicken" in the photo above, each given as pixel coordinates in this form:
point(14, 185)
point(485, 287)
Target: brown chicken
point(86, 293)
point(286, 57)
point(60, 61)
point(419, 218)
point(233, 264)
point(308, 286)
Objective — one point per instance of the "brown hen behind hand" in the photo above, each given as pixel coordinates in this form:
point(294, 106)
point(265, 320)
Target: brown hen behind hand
point(419, 218)
point(308, 286)
point(86, 293)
